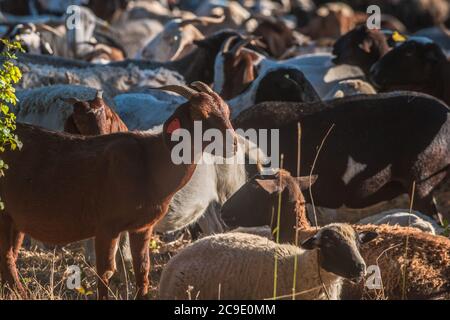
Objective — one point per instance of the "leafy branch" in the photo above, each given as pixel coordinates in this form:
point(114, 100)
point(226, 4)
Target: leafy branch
point(10, 75)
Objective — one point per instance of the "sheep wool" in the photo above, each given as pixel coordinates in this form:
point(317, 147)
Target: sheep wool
point(427, 263)
point(241, 266)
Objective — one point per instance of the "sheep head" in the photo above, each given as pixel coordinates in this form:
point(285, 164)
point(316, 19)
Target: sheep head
point(285, 84)
point(411, 66)
point(339, 245)
point(205, 106)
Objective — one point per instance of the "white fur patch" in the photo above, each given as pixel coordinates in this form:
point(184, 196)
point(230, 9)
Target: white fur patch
point(353, 168)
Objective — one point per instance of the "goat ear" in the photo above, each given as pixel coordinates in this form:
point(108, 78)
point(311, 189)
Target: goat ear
point(366, 45)
point(311, 243)
point(304, 182)
point(270, 185)
point(367, 236)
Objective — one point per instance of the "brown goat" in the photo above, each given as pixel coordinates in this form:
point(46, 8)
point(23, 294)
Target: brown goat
point(238, 67)
point(93, 117)
point(275, 35)
point(332, 20)
point(80, 187)
point(360, 47)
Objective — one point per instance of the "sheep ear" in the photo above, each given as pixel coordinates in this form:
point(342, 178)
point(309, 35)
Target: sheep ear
point(310, 244)
point(303, 182)
point(271, 186)
point(367, 236)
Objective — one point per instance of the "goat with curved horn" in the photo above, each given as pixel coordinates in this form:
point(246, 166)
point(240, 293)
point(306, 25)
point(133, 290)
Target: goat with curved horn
point(227, 43)
point(203, 20)
point(202, 87)
point(182, 90)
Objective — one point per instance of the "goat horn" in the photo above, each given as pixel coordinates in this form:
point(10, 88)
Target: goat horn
point(182, 90)
point(202, 87)
point(44, 27)
point(238, 46)
point(99, 94)
point(203, 20)
point(32, 26)
point(227, 44)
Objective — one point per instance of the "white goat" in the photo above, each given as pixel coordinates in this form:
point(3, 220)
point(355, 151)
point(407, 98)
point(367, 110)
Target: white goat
point(176, 39)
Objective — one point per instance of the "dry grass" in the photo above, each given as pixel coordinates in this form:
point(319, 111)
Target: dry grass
point(44, 272)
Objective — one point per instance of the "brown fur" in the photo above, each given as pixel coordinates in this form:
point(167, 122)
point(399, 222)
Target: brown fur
point(93, 118)
point(81, 187)
point(276, 35)
point(427, 264)
point(239, 72)
point(361, 47)
point(339, 19)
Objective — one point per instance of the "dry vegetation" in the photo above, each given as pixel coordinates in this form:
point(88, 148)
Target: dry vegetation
point(44, 272)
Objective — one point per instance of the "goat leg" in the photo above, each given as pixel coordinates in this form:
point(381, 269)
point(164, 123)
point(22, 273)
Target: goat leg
point(8, 255)
point(139, 245)
point(18, 237)
point(105, 250)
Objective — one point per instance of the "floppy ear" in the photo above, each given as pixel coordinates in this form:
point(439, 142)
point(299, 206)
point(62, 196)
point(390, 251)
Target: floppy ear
point(270, 185)
point(311, 243)
point(303, 182)
point(366, 45)
point(367, 236)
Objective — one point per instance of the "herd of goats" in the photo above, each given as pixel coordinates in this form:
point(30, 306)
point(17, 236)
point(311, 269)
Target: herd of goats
point(363, 120)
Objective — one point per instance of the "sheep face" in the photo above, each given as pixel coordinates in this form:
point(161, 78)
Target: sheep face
point(285, 85)
point(408, 66)
point(256, 203)
point(338, 246)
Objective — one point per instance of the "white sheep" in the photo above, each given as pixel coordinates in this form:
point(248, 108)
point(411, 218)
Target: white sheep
point(400, 217)
point(377, 215)
point(143, 111)
point(241, 266)
point(46, 107)
point(112, 80)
